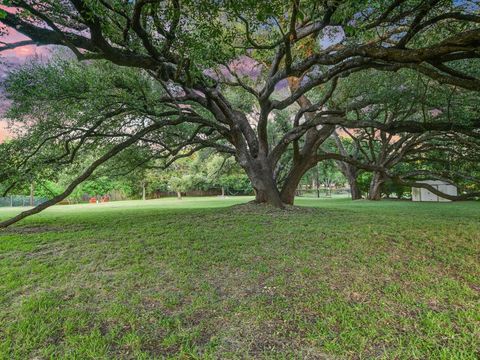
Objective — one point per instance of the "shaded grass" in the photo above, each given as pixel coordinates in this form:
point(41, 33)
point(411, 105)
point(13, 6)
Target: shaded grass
point(196, 279)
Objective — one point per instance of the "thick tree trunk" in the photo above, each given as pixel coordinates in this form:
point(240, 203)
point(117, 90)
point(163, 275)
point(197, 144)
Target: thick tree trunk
point(266, 190)
point(375, 190)
point(355, 191)
point(261, 176)
point(290, 188)
point(296, 173)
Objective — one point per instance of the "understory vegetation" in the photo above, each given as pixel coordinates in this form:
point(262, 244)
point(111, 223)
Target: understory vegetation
point(199, 278)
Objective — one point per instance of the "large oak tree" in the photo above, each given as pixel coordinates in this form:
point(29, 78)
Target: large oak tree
point(200, 51)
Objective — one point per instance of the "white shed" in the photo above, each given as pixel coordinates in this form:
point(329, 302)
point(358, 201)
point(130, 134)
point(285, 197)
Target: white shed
point(420, 194)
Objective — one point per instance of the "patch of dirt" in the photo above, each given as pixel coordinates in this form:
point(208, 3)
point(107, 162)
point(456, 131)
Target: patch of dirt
point(39, 229)
point(474, 287)
point(254, 208)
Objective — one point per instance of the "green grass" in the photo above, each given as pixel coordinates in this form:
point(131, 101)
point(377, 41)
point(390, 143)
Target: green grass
point(197, 279)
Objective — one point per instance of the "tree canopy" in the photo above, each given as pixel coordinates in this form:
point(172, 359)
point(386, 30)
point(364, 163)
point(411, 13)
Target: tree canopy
point(271, 83)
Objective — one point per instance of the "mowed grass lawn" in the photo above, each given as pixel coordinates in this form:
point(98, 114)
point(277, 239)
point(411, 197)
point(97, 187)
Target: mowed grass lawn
point(198, 278)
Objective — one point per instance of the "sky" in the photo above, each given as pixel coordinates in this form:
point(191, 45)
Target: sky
point(9, 59)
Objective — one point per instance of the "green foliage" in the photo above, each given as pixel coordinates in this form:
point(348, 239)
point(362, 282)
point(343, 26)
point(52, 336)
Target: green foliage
point(236, 184)
point(203, 171)
point(48, 189)
point(189, 182)
point(326, 174)
point(364, 180)
point(68, 98)
point(400, 191)
point(98, 187)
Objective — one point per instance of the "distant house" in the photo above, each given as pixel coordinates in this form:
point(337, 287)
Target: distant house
point(421, 194)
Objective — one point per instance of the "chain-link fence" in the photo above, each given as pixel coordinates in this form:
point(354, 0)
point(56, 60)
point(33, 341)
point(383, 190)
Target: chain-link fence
point(21, 200)
point(324, 193)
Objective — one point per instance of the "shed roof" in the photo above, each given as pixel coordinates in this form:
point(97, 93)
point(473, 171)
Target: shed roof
point(435, 182)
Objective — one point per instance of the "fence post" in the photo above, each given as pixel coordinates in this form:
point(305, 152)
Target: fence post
point(32, 191)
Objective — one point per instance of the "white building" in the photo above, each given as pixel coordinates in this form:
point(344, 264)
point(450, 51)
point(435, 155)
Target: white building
point(420, 194)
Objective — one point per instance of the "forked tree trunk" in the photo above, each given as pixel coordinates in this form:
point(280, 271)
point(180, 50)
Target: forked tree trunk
point(375, 190)
point(304, 156)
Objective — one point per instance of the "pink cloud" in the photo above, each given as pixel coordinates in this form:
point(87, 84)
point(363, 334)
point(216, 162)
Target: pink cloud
point(3, 131)
point(12, 36)
point(22, 52)
point(9, 59)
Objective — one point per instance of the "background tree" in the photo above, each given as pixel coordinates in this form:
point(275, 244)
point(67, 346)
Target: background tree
point(348, 148)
